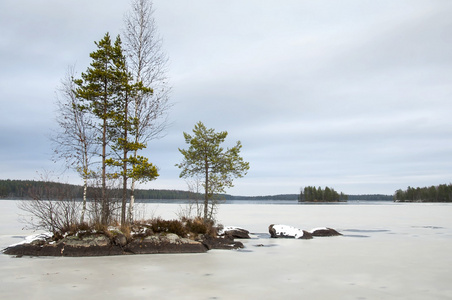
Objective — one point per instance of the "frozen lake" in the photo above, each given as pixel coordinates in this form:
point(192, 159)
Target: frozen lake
point(388, 251)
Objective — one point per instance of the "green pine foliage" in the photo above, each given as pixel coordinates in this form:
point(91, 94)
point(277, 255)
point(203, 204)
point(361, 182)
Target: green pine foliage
point(206, 159)
point(107, 91)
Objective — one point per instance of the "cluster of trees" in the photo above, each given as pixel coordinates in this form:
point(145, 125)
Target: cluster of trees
point(107, 116)
point(439, 193)
point(313, 194)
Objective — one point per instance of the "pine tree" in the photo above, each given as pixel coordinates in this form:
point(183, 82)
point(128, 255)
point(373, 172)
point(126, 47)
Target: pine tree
point(123, 132)
point(205, 157)
point(98, 89)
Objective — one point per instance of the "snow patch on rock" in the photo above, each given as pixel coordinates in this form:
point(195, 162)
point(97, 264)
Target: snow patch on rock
point(289, 231)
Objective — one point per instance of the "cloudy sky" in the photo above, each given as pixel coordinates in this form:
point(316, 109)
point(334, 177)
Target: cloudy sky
point(355, 95)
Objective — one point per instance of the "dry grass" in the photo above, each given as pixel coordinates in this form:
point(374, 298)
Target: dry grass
point(186, 227)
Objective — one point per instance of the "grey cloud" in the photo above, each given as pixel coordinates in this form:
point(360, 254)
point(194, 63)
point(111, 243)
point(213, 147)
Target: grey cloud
point(350, 94)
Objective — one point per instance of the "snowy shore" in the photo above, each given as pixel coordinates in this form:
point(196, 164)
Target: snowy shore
point(394, 251)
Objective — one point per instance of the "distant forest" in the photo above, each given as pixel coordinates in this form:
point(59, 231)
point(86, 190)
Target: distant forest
point(371, 197)
point(439, 193)
point(24, 189)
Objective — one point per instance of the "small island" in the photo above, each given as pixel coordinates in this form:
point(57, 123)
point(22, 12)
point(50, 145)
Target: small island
point(151, 237)
point(313, 194)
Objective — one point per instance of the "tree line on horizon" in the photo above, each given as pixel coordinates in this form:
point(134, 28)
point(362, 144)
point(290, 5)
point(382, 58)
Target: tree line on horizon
point(21, 189)
point(24, 189)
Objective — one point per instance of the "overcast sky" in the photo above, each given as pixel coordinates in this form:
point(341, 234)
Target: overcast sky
point(354, 95)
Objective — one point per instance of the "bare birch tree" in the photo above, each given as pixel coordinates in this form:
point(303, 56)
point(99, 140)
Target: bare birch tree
point(148, 64)
point(75, 140)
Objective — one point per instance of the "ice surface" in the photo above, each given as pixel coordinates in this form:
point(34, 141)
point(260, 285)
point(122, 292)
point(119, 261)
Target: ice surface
point(407, 255)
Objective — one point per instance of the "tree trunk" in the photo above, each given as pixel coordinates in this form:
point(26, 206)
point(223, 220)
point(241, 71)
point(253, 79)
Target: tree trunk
point(206, 195)
point(132, 201)
point(85, 187)
point(104, 215)
point(124, 167)
point(124, 191)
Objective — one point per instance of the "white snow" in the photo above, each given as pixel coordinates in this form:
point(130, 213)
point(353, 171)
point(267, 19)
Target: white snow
point(34, 237)
point(318, 228)
point(288, 231)
point(222, 231)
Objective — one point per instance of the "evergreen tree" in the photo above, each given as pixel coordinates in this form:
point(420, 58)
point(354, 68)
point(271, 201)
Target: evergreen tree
point(124, 129)
point(205, 157)
point(98, 89)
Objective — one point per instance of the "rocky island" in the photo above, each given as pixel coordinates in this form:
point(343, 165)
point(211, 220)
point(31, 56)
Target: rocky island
point(142, 240)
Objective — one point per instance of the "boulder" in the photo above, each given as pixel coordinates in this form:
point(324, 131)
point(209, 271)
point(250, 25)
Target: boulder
point(235, 232)
point(226, 243)
point(324, 231)
point(285, 231)
point(92, 240)
point(88, 245)
point(120, 240)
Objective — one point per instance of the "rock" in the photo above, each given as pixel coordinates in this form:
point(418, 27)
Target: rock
point(325, 231)
point(172, 238)
point(101, 245)
point(170, 243)
point(34, 250)
point(236, 232)
point(93, 240)
point(285, 231)
point(120, 240)
point(78, 251)
point(225, 243)
point(88, 245)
